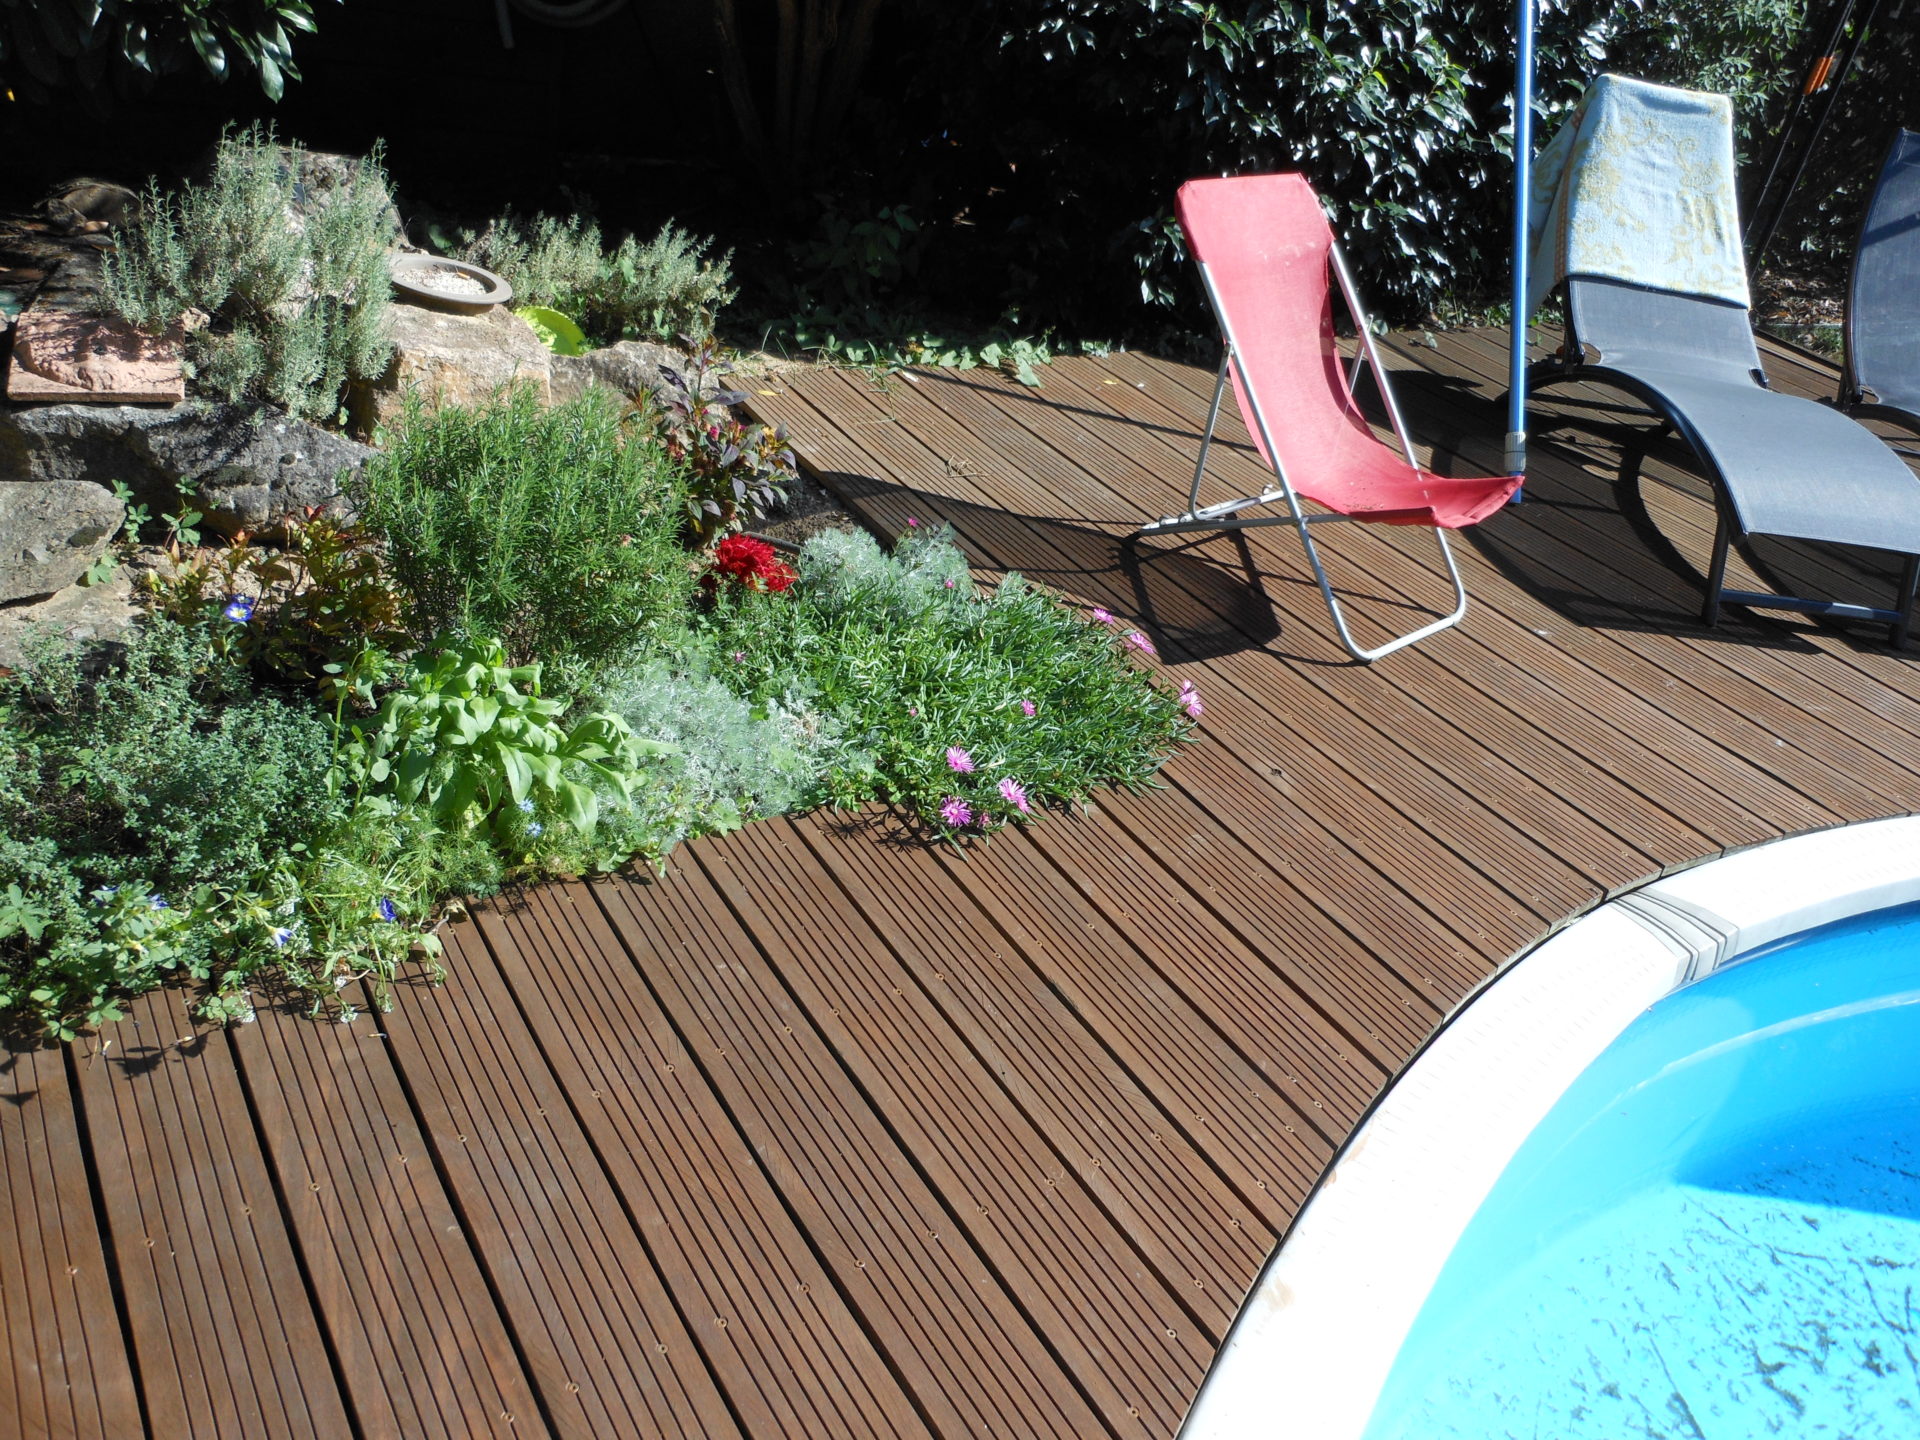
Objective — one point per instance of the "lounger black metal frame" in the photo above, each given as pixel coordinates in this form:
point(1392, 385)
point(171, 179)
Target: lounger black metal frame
point(1881, 377)
point(1779, 465)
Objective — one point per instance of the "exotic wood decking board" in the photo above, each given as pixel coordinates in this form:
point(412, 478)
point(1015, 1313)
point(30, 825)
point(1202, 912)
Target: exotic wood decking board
point(828, 1134)
point(64, 1366)
point(199, 1240)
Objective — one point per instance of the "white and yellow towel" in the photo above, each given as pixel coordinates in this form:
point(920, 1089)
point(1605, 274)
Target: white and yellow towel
point(1638, 185)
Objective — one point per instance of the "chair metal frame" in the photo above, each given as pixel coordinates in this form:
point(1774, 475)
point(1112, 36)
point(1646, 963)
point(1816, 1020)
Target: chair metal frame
point(1227, 516)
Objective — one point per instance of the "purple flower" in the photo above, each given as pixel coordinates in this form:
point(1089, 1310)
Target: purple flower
point(239, 609)
point(959, 761)
point(956, 812)
point(388, 911)
point(281, 936)
point(1015, 794)
point(1139, 641)
point(1103, 616)
point(1027, 708)
point(1190, 700)
point(536, 829)
point(157, 902)
point(739, 656)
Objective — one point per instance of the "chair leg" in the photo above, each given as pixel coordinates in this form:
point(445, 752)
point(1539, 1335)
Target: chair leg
point(1717, 573)
point(1353, 647)
point(1903, 603)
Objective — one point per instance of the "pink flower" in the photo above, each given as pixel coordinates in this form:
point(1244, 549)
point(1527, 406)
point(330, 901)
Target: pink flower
point(1139, 641)
point(739, 656)
point(959, 761)
point(1190, 700)
point(950, 584)
point(1015, 794)
point(1103, 616)
point(1026, 708)
point(914, 710)
point(912, 524)
point(956, 812)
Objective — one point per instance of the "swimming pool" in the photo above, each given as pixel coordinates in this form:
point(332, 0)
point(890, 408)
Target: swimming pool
point(1661, 1177)
point(1715, 1231)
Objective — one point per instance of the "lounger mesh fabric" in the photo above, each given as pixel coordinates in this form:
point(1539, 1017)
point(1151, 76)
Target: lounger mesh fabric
point(1789, 466)
point(1883, 301)
point(1266, 246)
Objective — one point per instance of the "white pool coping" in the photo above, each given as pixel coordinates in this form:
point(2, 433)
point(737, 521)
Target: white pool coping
point(1311, 1348)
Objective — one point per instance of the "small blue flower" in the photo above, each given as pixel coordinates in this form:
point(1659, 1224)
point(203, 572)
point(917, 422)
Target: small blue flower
point(105, 893)
point(536, 829)
point(239, 609)
point(388, 911)
point(281, 935)
point(526, 807)
point(157, 902)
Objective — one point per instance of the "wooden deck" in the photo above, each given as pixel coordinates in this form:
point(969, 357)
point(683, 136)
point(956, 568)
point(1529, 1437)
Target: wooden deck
point(828, 1135)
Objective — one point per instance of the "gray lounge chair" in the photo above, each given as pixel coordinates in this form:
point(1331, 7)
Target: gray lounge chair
point(1882, 376)
point(1779, 465)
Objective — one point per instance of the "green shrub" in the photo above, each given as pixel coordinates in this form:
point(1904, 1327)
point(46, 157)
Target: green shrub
point(1399, 112)
point(730, 760)
point(555, 530)
point(661, 290)
point(1004, 702)
point(295, 308)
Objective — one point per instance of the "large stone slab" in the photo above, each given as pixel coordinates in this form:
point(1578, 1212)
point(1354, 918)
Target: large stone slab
point(449, 359)
point(51, 531)
point(251, 468)
point(247, 467)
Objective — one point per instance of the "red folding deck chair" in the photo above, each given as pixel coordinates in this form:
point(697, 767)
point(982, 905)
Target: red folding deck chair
point(1264, 247)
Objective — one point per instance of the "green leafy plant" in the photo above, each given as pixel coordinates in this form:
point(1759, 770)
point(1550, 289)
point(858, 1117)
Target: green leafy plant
point(968, 710)
point(467, 735)
point(556, 530)
point(294, 308)
point(47, 46)
point(300, 613)
point(664, 287)
point(732, 468)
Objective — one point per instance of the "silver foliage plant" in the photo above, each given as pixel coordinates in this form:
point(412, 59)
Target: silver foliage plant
point(286, 306)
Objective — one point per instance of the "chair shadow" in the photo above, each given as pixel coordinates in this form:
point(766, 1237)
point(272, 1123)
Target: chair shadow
point(1198, 599)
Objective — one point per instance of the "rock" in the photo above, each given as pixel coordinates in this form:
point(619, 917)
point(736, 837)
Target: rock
point(319, 178)
point(77, 615)
point(61, 355)
point(251, 467)
point(248, 467)
point(631, 368)
point(51, 531)
point(449, 359)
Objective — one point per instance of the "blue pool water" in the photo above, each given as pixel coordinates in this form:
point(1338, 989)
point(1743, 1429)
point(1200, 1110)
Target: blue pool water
point(1714, 1233)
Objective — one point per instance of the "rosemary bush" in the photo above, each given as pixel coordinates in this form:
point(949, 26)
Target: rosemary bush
point(662, 289)
point(554, 530)
point(295, 308)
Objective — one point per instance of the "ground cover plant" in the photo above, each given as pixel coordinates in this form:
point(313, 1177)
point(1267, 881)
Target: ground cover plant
point(969, 710)
point(285, 308)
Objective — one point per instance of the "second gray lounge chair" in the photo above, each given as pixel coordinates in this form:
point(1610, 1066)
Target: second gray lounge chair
point(1668, 332)
point(1882, 377)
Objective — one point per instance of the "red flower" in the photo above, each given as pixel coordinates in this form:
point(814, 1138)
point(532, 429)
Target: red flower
point(749, 562)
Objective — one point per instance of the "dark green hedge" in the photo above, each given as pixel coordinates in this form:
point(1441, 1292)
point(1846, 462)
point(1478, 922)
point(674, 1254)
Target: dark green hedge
point(1045, 138)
